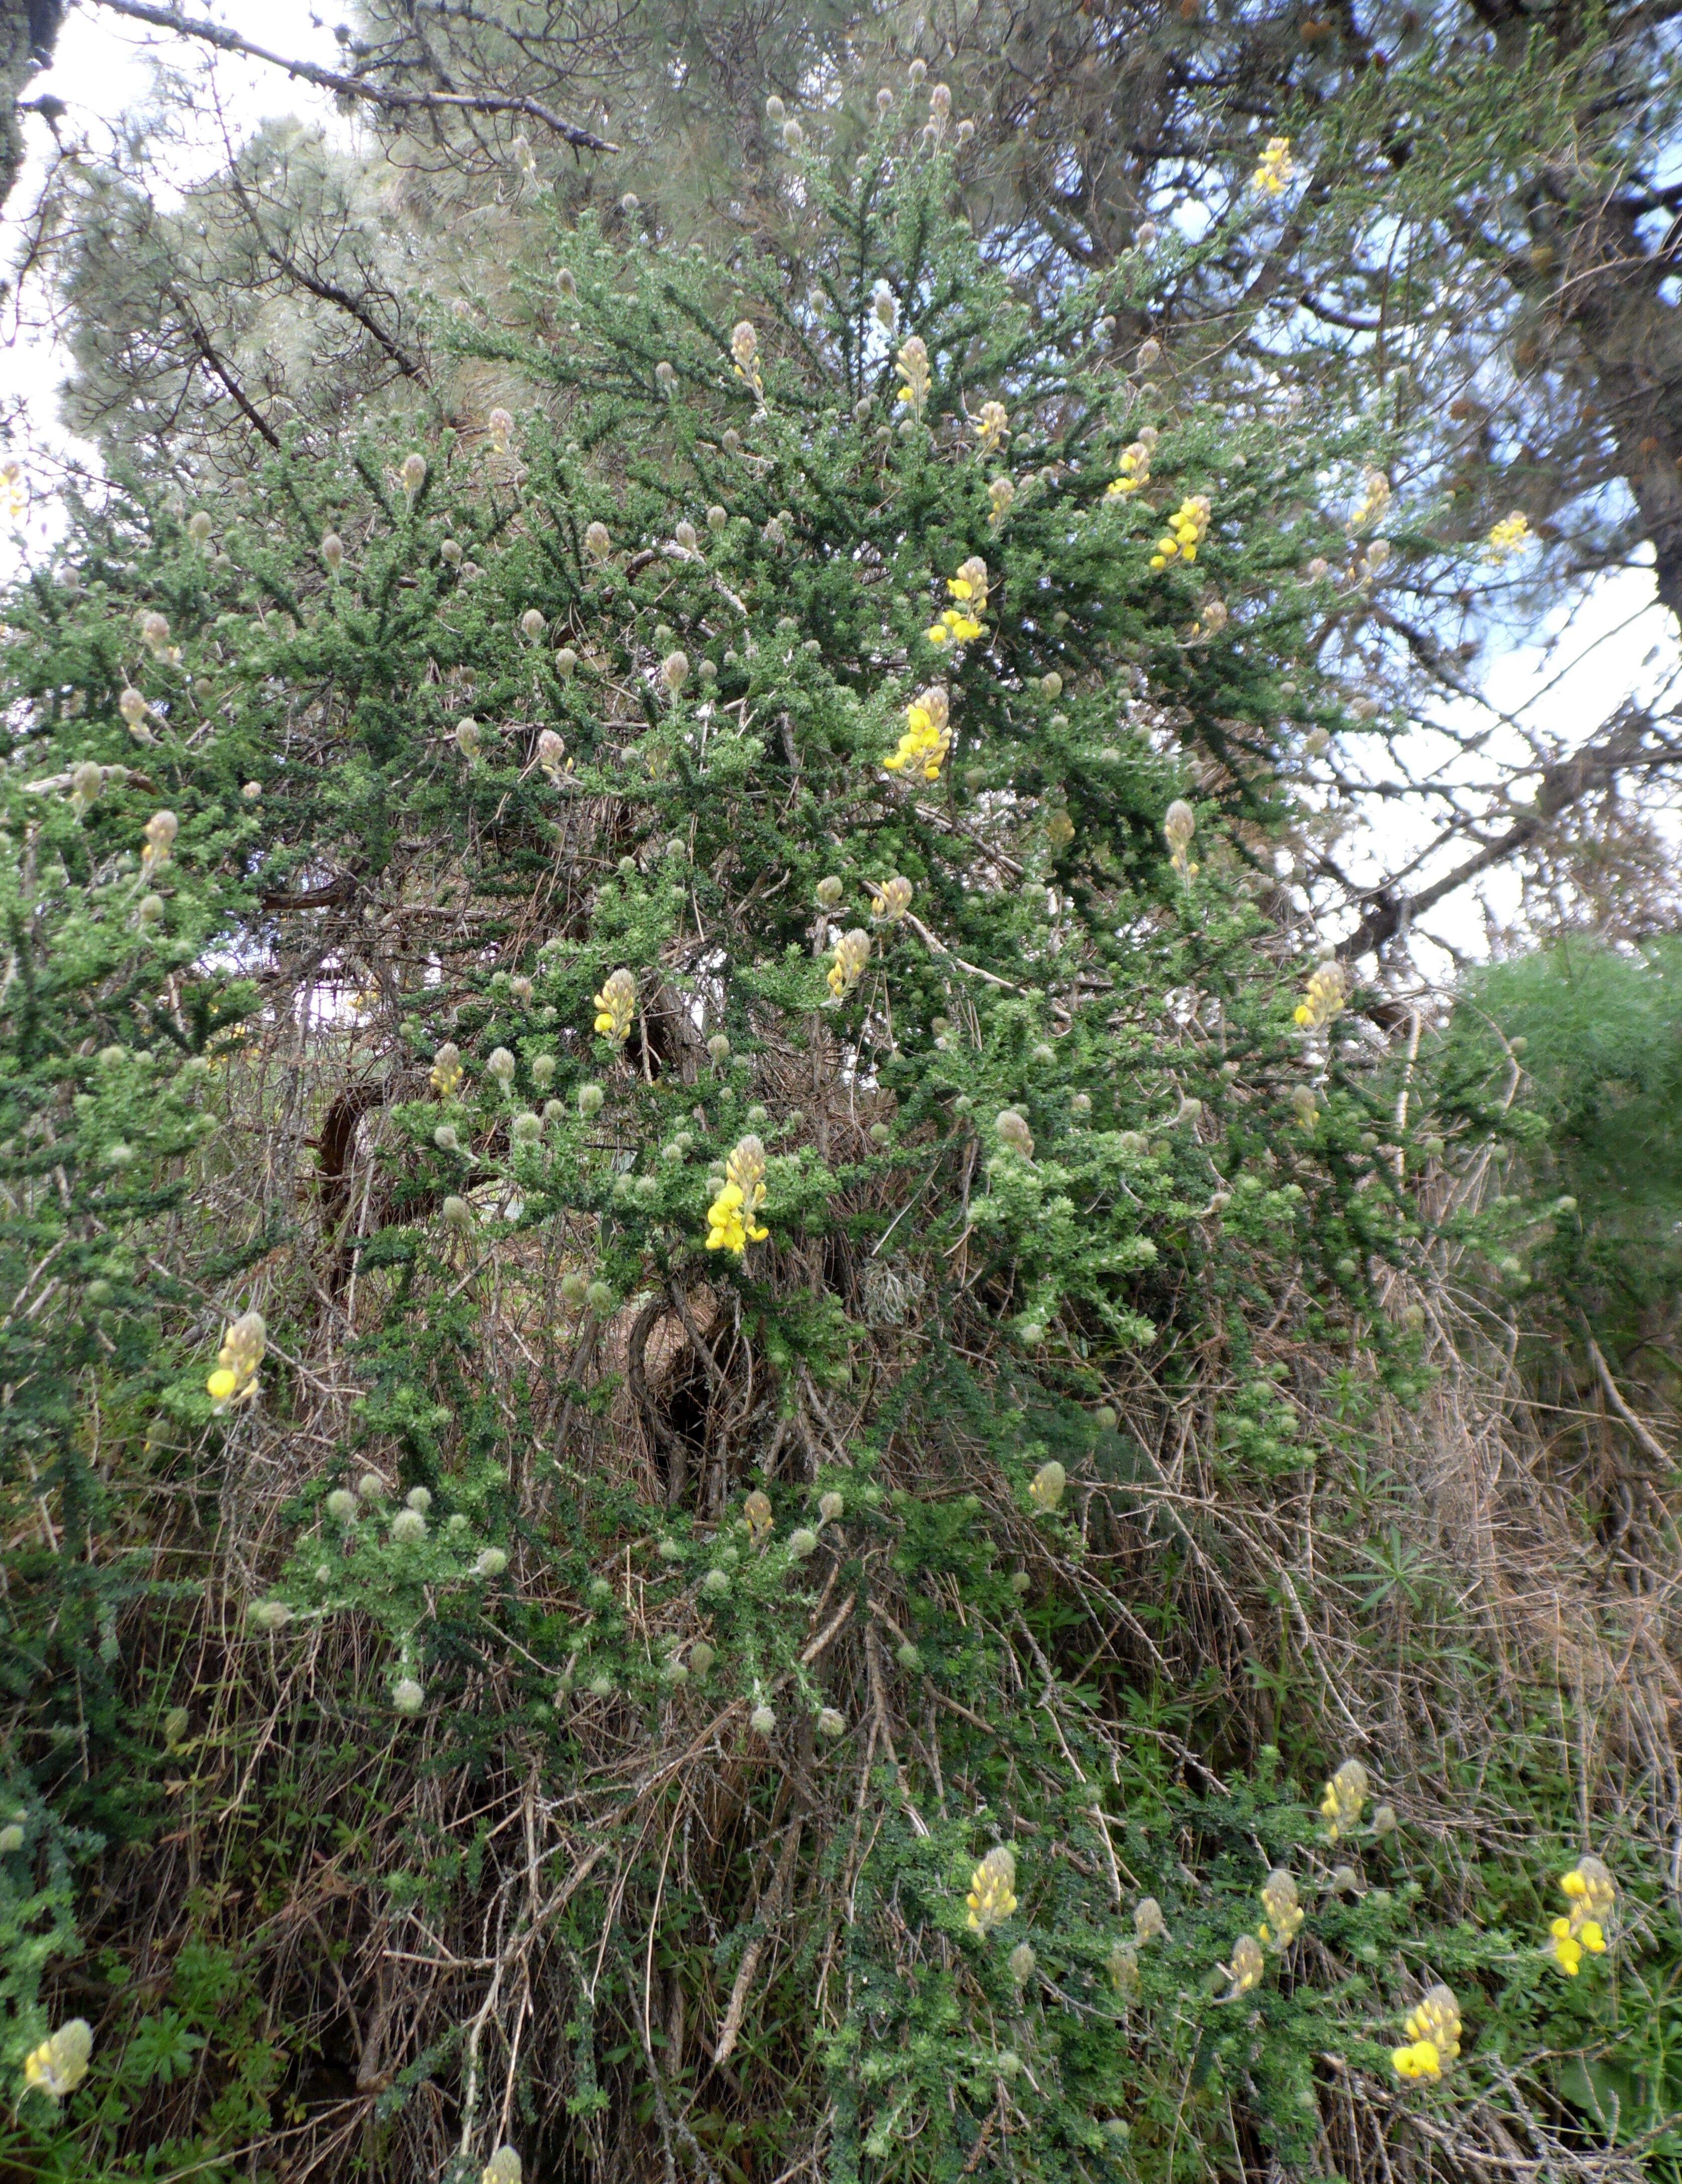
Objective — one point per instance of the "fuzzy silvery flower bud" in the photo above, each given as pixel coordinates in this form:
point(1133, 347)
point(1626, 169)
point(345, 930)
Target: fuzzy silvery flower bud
point(269, 1614)
point(590, 1099)
point(1013, 1129)
point(527, 1129)
point(1022, 1961)
point(597, 545)
point(565, 282)
point(600, 1298)
point(457, 1212)
point(762, 1721)
point(802, 1542)
point(418, 1497)
point(831, 1508)
point(775, 109)
point(500, 1065)
point(674, 671)
point(407, 1695)
point(532, 624)
point(408, 1525)
point(503, 2167)
point(413, 473)
point(917, 71)
point(666, 376)
point(491, 1563)
point(686, 536)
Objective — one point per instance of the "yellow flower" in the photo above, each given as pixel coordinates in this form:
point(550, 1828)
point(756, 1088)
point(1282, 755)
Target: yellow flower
point(744, 350)
point(58, 2065)
point(1433, 2030)
point(852, 953)
point(970, 584)
point(1322, 999)
point(1285, 1912)
point(234, 1379)
point(912, 362)
point(446, 1070)
point(756, 1510)
point(991, 425)
point(993, 1890)
point(161, 831)
point(1592, 1894)
point(1375, 498)
point(953, 628)
point(1000, 495)
point(1273, 170)
point(730, 1223)
point(1247, 1967)
point(1346, 1792)
point(1046, 1490)
point(1508, 537)
point(927, 737)
point(1186, 528)
point(616, 1005)
point(893, 900)
point(1135, 472)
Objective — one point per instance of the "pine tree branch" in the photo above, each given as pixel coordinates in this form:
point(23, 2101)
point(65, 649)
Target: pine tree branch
point(1565, 782)
point(355, 86)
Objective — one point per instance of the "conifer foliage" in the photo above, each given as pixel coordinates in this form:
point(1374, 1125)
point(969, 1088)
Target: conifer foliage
point(688, 1245)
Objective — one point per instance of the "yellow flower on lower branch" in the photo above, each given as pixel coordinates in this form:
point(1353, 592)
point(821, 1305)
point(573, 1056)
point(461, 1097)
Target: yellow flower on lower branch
point(1247, 1967)
point(993, 1890)
point(1322, 999)
point(234, 1379)
point(1346, 1792)
point(852, 953)
point(1184, 534)
point(927, 737)
point(1507, 537)
point(58, 2065)
point(1433, 2030)
point(615, 1005)
point(1279, 1901)
point(953, 627)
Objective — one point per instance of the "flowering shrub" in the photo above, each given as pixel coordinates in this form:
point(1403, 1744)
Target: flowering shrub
point(768, 1542)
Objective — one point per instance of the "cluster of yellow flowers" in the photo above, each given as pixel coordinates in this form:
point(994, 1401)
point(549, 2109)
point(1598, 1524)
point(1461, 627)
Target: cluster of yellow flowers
point(616, 1005)
point(993, 1890)
point(1433, 2030)
point(1591, 1893)
point(991, 425)
point(1000, 496)
point(927, 737)
point(744, 350)
point(1274, 169)
point(893, 899)
point(756, 1515)
point(235, 1378)
point(1375, 498)
point(852, 953)
point(1323, 997)
point(1134, 470)
point(445, 1074)
point(959, 624)
point(915, 377)
point(1509, 535)
point(1279, 1900)
point(1346, 1792)
point(1185, 530)
point(731, 1218)
point(58, 2065)
point(161, 831)
point(1247, 1967)
point(499, 424)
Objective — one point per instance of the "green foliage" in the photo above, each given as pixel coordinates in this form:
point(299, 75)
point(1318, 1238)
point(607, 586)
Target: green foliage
point(593, 1678)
